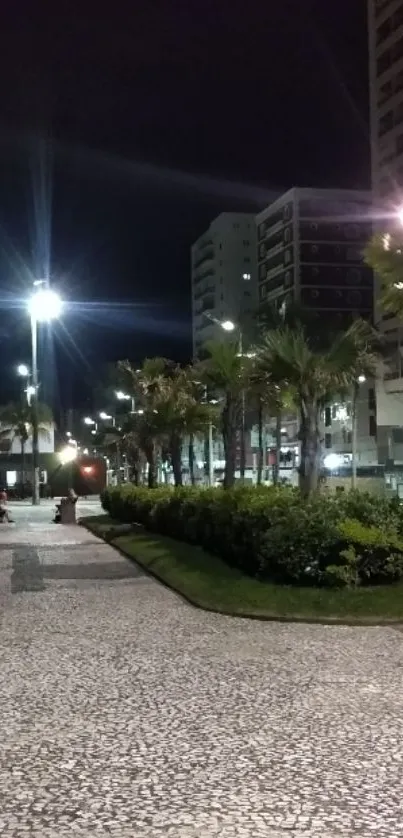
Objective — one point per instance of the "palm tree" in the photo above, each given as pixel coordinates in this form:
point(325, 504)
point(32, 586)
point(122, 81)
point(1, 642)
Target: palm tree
point(227, 372)
point(316, 375)
point(171, 411)
point(16, 423)
point(271, 400)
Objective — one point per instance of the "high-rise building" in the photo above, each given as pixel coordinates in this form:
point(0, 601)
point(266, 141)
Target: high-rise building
point(310, 251)
point(224, 275)
point(385, 30)
point(310, 244)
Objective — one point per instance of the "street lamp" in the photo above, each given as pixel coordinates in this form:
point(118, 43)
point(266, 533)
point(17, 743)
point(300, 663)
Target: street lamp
point(230, 326)
point(106, 417)
point(88, 421)
point(125, 397)
point(361, 379)
point(67, 454)
point(227, 325)
point(44, 305)
point(23, 370)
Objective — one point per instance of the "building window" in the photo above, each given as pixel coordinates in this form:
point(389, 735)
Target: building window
point(314, 226)
point(314, 248)
point(328, 440)
point(236, 226)
point(372, 426)
point(220, 246)
point(246, 259)
point(334, 412)
point(262, 230)
point(246, 242)
point(246, 276)
point(328, 417)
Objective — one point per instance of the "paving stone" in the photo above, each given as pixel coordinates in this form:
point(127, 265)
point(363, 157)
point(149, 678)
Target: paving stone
point(125, 712)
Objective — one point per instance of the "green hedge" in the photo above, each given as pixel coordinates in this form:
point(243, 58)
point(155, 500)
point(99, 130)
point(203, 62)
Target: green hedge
point(275, 534)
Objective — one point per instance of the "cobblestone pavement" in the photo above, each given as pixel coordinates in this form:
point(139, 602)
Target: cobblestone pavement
point(125, 712)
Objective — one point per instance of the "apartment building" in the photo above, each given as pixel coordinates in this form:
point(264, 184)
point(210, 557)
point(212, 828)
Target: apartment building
point(310, 244)
point(224, 276)
point(385, 31)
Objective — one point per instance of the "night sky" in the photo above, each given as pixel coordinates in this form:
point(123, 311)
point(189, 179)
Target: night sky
point(123, 133)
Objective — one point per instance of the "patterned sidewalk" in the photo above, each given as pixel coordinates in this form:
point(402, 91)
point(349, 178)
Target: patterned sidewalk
point(125, 712)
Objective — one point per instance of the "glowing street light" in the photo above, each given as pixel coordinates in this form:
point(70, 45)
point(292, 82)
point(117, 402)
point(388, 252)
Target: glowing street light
point(125, 397)
point(227, 325)
point(88, 421)
point(67, 454)
point(23, 370)
point(361, 379)
point(43, 306)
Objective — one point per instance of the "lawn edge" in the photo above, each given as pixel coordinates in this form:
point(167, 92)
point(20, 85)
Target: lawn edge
point(371, 622)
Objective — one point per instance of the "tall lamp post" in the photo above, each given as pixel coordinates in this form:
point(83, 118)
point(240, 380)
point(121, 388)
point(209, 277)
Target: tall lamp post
point(230, 326)
point(43, 306)
point(360, 380)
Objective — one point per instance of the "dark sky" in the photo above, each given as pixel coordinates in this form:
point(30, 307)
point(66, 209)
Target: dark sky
point(124, 132)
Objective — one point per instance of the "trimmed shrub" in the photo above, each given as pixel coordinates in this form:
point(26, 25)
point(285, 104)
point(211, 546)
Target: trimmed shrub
point(274, 533)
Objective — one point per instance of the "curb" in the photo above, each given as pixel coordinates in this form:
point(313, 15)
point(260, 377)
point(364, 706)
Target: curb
point(352, 622)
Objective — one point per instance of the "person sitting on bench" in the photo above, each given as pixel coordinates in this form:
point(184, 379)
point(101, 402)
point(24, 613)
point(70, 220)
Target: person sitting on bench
point(4, 516)
point(71, 499)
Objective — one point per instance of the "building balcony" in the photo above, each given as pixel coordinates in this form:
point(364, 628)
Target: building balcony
point(393, 383)
point(208, 289)
point(204, 256)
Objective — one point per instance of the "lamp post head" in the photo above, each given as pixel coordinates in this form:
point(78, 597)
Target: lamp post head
point(23, 370)
point(45, 305)
point(104, 415)
point(89, 421)
point(68, 454)
point(228, 325)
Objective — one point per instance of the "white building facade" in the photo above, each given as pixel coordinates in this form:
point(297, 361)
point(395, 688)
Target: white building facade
point(224, 276)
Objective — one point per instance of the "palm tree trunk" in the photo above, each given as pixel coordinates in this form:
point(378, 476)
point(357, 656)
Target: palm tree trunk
point(192, 460)
point(22, 469)
point(276, 469)
point(151, 455)
point(176, 459)
point(229, 427)
point(310, 450)
point(260, 455)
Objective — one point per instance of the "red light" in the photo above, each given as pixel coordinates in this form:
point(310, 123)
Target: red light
point(87, 469)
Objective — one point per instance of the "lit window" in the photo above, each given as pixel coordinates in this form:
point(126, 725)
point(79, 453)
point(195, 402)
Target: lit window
point(246, 276)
